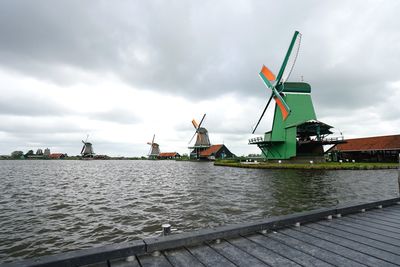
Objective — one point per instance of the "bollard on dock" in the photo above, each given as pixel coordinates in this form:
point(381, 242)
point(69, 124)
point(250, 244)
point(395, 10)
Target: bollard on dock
point(166, 229)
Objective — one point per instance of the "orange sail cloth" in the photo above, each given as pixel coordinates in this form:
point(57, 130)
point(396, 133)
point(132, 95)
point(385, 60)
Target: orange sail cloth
point(195, 124)
point(267, 73)
point(282, 107)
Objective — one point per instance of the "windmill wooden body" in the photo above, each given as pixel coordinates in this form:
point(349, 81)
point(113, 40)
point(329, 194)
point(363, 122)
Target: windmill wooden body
point(296, 133)
point(202, 139)
point(87, 149)
point(154, 151)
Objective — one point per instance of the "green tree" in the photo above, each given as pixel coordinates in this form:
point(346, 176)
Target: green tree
point(17, 154)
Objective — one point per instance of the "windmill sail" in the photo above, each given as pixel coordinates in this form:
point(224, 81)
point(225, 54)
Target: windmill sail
point(194, 122)
point(290, 58)
point(286, 69)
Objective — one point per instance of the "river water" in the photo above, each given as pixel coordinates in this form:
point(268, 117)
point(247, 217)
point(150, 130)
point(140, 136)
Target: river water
point(48, 207)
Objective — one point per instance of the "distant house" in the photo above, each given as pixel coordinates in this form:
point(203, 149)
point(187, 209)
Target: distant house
point(169, 155)
point(56, 156)
point(373, 149)
point(216, 152)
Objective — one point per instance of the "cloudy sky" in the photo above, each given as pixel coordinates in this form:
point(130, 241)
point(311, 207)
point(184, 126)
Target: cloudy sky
point(122, 71)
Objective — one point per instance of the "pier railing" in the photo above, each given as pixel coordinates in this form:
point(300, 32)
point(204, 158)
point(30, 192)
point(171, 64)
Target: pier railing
point(256, 140)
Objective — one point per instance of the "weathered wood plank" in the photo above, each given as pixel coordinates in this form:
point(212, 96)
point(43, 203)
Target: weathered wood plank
point(124, 263)
point(373, 227)
point(394, 208)
point(209, 256)
point(356, 246)
point(98, 264)
point(377, 220)
point(315, 251)
point(336, 248)
point(154, 261)
point(288, 251)
point(236, 255)
point(182, 258)
point(262, 253)
point(384, 213)
point(364, 239)
point(363, 231)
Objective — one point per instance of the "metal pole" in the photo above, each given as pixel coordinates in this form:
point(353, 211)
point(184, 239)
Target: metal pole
point(166, 229)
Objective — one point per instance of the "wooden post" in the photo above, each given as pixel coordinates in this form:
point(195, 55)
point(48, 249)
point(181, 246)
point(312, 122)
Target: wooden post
point(398, 176)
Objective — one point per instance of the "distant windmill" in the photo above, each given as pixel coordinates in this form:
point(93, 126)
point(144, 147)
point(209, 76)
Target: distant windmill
point(154, 151)
point(202, 139)
point(87, 149)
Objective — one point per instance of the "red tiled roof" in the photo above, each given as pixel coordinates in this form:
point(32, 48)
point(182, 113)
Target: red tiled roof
point(390, 142)
point(212, 149)
point(56, 155)
point(168, 154)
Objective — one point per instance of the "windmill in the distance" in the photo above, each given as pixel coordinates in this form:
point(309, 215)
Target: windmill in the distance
point(87, 149)
point(296, 133)
point(154, 151)
point(202, 139)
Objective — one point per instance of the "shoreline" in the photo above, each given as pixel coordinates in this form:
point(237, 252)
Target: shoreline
point(314, 166)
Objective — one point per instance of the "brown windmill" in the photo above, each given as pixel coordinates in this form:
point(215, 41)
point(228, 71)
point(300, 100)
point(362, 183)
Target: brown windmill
point(202, 139)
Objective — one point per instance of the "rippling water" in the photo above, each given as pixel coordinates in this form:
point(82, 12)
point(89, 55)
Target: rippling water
point(48, 207)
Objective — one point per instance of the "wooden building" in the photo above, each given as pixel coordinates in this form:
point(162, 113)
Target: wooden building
point(371, 149)
point(57, 156)
point(216, 152)
point(169, 155)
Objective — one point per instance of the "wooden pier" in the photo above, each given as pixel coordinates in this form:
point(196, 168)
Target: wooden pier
point(354, 235)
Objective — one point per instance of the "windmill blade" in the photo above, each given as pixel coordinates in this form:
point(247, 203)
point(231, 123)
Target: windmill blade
point(290, 59)
point(83, 148)
point(194, 122)
point(149, 143)
point(192, 136)
point(264, 78)
point(262, 114)
point(201, 120)
point(267, 76)
point(83, 142)
point(285, 110)
point(154, 136)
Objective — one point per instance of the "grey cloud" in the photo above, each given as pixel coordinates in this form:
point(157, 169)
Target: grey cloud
point(196, 50)
point(26, 105)
point(121, 116)
point(27, 126)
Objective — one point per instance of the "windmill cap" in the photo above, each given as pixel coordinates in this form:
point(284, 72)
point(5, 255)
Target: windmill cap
point(295, 88)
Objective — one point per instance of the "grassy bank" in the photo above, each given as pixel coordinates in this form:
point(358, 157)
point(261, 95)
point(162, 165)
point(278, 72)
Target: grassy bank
point(315, 166)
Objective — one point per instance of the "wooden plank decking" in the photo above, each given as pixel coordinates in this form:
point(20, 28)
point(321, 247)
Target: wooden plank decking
point(350, 238)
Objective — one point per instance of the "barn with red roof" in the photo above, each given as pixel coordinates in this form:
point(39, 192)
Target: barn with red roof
point(373, 149)
point(169, 155)
point(216, 152)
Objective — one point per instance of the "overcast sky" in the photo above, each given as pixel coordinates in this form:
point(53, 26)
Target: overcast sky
point(122, 71)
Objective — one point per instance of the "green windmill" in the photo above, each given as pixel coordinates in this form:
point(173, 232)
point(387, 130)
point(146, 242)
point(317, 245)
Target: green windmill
point(296, 133)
